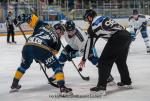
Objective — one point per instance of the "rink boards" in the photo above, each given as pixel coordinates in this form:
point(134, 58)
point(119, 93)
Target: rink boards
point(80, 23)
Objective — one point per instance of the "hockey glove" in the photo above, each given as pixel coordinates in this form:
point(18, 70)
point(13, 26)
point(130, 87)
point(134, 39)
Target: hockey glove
point(133, 36)
point(144, 24)
point(22, 19)
point(71, 55)
point(36, 61)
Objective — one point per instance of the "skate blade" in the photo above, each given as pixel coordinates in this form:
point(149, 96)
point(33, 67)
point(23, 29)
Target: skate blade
point(148, 52)
point(13, 90)
point(98, 93)
point(126, 86)
point(66, 94)
point(112, 83)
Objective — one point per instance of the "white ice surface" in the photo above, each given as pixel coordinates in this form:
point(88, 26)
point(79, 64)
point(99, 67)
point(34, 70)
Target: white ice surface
point(35, 87)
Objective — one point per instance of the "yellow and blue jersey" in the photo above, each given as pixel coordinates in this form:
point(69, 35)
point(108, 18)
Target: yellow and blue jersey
point(47, 39)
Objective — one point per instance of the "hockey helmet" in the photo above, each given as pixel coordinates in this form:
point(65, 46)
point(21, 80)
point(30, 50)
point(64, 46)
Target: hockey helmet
point(59, 26)
point(70, 25)
point(135, 12)
point(89, 12)
point(63, 22)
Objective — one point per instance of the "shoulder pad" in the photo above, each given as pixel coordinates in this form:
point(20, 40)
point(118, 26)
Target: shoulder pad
point(131, 17)
point(98, 20)
point(142, 16)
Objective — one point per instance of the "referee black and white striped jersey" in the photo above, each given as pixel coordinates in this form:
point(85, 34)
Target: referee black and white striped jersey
point(9, 22)
point(78, 41)
point(103, 27)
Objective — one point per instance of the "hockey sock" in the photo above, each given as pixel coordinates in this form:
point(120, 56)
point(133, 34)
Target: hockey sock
point(146, 40)
point(19, 73)
point(59, 76)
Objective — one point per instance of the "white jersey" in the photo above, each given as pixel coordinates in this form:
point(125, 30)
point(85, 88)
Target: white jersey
point(78, 41)
point(103, 27)
point(136, 24)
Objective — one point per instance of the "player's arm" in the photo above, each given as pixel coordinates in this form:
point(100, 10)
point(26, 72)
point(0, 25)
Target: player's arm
point(88, 48)
point(144, 21)
point(148, 19)
point(89, 44)
point(131, 25)
point(31, 19)
point(7, 22)
point(57, 47)
point(21, 19)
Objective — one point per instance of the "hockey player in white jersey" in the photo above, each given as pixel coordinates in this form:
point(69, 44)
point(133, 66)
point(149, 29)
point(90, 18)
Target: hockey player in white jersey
point(76, 41)
point(138, 23)
point(115, 50)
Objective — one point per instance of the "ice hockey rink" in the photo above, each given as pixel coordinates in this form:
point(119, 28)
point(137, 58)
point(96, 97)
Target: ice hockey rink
point(35, 86)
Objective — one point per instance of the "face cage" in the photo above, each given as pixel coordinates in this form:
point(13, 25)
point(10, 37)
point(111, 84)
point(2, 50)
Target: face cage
point(61, 30)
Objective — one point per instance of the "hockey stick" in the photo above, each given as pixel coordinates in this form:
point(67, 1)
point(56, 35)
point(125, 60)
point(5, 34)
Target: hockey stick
point(23, 33)
point(83, 77)
point(138, 31)
point(50, 82)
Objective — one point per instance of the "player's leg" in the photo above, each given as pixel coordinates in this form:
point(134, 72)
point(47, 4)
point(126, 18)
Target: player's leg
point(93, 58)
point(50, 60)
point(13, 34)
point(123, 68)
point(8, 36)
point(133, 34)
point(111, 51)
point(59, 76)
point(104, 68)
point(67, 54)
point(146, 39)
point(25, 64)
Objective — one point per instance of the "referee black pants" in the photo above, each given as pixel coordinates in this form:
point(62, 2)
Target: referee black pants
point(10, 33)
point(115, 51)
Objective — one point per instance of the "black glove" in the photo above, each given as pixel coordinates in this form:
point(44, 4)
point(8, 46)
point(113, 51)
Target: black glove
point(71, 55)
point(144, 24)
point(36, 61)
point(22, 19)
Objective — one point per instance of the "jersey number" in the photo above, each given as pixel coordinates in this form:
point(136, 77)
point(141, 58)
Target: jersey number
point(107, 24)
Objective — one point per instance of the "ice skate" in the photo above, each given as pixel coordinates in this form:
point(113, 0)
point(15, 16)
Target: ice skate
point(64, 91)
point(15, 88)
point(148, 49)
point(110, 81)
point(14, 42)
point(123, 85)
point(98, 91)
